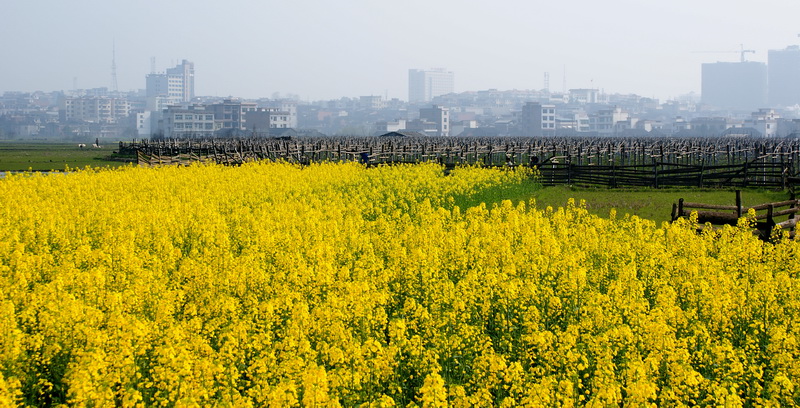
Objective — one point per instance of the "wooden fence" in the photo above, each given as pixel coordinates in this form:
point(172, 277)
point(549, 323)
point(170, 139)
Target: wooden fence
point(768, 216)
point(760, 172)
point(604, 162)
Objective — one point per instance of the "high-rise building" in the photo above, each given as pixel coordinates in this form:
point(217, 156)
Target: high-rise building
point(176, 84)
point(734, 85)
point(424, 85)
point(784, 76)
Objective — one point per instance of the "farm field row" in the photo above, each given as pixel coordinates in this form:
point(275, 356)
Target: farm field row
point(271, 284)
point(653, 204)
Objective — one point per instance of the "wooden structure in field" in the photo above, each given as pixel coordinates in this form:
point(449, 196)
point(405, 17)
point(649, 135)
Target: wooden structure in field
point(767, 215)
point(608, 162)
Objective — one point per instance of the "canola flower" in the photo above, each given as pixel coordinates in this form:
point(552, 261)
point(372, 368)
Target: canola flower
point(336, 285)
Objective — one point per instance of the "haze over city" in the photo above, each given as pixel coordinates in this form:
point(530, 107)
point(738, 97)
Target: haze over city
point(322, 50)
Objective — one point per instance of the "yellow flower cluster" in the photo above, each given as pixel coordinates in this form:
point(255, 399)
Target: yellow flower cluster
point(334, 285)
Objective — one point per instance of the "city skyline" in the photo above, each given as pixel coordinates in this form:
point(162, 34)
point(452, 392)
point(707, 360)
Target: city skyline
point(319, 50)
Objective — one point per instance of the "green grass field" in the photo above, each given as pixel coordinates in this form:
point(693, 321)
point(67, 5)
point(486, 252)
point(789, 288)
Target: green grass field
point(23, 156)
point(652, 204)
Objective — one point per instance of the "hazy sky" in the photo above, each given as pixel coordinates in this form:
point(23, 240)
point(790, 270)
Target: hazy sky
point(322, 49)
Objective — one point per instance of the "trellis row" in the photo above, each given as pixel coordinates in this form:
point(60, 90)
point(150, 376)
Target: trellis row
point(612, 162)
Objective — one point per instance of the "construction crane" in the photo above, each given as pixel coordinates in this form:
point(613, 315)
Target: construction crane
point(741, 52)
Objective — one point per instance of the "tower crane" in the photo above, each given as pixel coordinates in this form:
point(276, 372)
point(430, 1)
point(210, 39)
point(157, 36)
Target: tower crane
point(741, 52)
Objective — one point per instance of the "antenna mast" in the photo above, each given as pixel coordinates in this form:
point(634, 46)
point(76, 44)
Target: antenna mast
point(114, 86)
point(547, 83)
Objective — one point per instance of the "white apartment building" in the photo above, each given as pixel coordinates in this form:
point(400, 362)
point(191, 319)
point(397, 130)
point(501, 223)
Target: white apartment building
point(424, 85)
point(283, 114)
point(144, 124)
point(765, 121)
point(281, 119)
point(96, 109)
point(193, 122)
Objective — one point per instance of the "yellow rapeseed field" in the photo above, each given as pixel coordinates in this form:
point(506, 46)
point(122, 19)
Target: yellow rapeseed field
point(334, 285)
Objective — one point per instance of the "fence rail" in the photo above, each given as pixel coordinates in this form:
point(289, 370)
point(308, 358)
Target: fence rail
point(767, 215)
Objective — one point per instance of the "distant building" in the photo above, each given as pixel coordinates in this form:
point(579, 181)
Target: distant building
point(279, 119)
point(784, 76)
point(713, 126)
point(438, 115)
point(582, 122)
point(734, 85)
point(459, 127)
point(605, 121)
point(176, 85)
point(765, 121)
point(583, 95)
point(424, 85)
point(231, 117)
point(230, 113)
point(390, 126)
point(536, 120)
point(423, 127)
point(96, 109)
point(371, 102)
point(144, 124)
point(257, 122)
point(266, 121)
point(283, 114)
point(192, 122)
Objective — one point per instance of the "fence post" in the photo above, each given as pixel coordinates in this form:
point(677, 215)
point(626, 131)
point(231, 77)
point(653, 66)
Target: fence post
point(738, 204)
point(702, 170)
point(744, 181)
point(770, 221)
point(680, 207)
point(569, 170)
point(655, 173)
point(613, 175)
